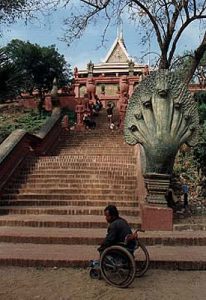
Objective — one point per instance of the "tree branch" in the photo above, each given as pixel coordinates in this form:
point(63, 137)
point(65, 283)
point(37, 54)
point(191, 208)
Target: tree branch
point(198, 55)
point(152, 19)
point(95, 4)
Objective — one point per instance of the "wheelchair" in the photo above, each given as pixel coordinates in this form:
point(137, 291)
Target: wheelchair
point(119, 266)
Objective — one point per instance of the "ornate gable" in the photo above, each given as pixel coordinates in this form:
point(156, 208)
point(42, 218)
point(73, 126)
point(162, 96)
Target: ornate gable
point(117, 53)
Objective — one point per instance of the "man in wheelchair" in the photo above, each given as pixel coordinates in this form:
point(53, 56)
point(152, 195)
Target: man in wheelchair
point(118, 232)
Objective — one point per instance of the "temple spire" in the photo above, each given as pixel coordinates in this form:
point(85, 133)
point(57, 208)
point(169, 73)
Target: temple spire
point(120, 30)
point(118, 52)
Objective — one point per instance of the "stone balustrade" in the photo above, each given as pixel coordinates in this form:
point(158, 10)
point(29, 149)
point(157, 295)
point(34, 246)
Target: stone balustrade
point(19, 144)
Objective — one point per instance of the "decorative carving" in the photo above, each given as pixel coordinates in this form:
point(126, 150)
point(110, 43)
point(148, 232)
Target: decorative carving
point(161, 116)
point(123, 97)
point(48, 103)
point(54, 93)
point(90, 67)
point(91, 88)
point(79, 109)
point(122, 112)
point(103, 89)
point(76, 73)
point(146, 70)
point(156, 186)
point(117, 55)
point(124, 89)
point(131, 67)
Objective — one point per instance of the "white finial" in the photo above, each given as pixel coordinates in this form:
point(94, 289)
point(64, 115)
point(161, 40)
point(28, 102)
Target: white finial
point(120, 29)
point(117, 30)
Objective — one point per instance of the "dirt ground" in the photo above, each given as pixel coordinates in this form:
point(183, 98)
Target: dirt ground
point(75, 284)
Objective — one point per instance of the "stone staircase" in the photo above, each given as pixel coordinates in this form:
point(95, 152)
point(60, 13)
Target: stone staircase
point(55, 199)
point(51, 212)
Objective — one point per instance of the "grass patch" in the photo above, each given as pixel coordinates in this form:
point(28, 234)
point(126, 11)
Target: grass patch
point(30, 121)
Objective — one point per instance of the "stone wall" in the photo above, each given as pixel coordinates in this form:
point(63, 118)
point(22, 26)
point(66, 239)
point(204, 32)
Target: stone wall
point(20, 144)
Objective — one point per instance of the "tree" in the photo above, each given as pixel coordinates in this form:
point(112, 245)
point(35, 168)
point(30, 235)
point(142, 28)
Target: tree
point(40, 65)
point(166, 19)
point(25, 67)
point(200, 98)
point(200, 150)
point(11, 79)
point(182, 64)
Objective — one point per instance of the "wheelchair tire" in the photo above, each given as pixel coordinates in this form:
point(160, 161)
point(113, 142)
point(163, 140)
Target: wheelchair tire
point(117, 266)
point(142, 259)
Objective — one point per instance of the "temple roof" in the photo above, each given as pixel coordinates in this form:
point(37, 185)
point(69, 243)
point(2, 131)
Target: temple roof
point(118, 52)
point(117, 60)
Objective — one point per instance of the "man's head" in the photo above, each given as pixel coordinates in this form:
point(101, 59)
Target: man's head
point(111, 213)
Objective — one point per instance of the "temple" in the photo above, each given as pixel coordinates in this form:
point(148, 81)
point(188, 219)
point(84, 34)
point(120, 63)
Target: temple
point(104, 79)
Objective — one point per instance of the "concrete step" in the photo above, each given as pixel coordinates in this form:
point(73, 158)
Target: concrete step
point(73, 163)
point(35, 255)
point(67, 184)
point(87, 163)
point(76, 158)
point(94, 142)
point(57, 190)
point(59, 196)
point(104, 178)
point(72, 182)
point(43, 202)
point(67, 151)
point(61, 221)
point(98, 172)
point(94, 236)
point(64, 210)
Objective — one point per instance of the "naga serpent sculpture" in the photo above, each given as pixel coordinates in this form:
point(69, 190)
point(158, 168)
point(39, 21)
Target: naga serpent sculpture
point(161, 116)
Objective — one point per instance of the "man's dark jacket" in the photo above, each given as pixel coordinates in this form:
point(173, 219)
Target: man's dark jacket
point(116, 233)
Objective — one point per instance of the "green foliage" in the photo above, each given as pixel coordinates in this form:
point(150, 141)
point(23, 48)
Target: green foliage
point(185, 165)
point(11, 10)
point(10, 78)
point(200, 97)
point(31, 122)
point(6, 130)
point(183, 63)
point(39, 65)
point(200, 150)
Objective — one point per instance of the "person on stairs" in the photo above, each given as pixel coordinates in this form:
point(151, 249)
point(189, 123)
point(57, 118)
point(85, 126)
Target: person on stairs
point(110, 113)
point(88, 122)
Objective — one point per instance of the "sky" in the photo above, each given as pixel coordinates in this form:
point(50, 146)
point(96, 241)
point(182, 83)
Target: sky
point(49, 30)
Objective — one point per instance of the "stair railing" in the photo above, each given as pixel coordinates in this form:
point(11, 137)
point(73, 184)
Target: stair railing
point(19, 144)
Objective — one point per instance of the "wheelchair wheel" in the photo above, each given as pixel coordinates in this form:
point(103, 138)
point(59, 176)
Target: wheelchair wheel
point(95, 274)
point(142, 259)
point(117, 266)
